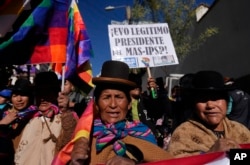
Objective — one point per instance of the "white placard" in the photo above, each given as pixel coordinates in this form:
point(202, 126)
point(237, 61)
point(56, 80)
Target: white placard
point(144, 45)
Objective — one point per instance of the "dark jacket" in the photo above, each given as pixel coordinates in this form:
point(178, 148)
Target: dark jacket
point(150, 110)
point(240, 110)
point(143, 115)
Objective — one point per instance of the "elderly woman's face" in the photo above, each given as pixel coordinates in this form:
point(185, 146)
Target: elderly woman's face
point(112, 105)
point(212, 110)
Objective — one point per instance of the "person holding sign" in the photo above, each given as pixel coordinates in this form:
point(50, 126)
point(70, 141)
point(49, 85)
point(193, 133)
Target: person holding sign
point(139, 111)
point(145, 108)
point(208, 130)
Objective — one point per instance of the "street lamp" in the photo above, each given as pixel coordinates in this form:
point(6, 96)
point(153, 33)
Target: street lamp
point(128, 11)
point(128, 17)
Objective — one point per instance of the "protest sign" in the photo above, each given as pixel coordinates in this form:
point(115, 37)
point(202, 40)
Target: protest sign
point(143, 45)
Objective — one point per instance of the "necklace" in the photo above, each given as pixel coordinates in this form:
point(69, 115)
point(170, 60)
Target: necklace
point(219, 134)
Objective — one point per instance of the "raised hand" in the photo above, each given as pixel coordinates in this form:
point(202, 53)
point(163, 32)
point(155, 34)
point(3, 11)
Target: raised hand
point(80, 152)
point(11, 116)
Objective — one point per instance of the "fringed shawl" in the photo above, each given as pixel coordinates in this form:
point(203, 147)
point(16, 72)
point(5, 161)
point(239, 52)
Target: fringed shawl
point(193, 138)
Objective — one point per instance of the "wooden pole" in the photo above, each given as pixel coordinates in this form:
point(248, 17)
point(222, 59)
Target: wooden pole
point(152, 90)
point(63, 77)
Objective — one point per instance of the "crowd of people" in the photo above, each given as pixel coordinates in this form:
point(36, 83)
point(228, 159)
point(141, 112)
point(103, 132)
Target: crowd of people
point(206, 114)
point(33, 127)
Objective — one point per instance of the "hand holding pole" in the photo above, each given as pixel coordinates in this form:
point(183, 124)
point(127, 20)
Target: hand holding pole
point(152, 89)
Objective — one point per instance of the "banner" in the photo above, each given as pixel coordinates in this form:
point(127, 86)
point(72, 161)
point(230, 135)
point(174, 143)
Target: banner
point(235, 156)
point(144, 45)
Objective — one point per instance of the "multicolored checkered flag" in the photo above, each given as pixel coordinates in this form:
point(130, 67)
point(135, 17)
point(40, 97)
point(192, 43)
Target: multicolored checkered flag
point(54, 32)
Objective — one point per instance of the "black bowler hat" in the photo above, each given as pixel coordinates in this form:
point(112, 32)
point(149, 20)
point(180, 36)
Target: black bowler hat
point(46, 82)
point(114, 73)
point(22, 86)
point(209, 81)
point(136, 79)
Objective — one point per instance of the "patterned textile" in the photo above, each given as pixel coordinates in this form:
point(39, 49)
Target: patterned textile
point(54, 32)
point(32, 111)
point(193, 138)
point(42, 37)
point(79, 49)
point(50, 112)
point(25, 114)
point(113, 133)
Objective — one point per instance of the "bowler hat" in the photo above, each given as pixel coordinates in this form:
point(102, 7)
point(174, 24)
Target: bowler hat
point(22, 86)
point(186, 80)
point(209, 81)
point(136, 79)
point(114, 73)
point(47, 81)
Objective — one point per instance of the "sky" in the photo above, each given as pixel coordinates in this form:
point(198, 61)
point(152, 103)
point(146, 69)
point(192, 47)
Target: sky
point(97, 19)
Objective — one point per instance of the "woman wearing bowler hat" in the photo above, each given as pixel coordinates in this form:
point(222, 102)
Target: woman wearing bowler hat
point(18, 114)
point(49, 129)
point(115, 140)
point(208, 130)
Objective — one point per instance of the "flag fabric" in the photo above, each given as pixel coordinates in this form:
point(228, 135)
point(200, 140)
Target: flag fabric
point(83, 129)
point(57, 68)
point(79, 49)
point(215, 158)
point(53, 33)
point(191, 160)
point(42, 37)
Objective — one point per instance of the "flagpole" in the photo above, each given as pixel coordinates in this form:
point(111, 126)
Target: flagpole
point(63, 77)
